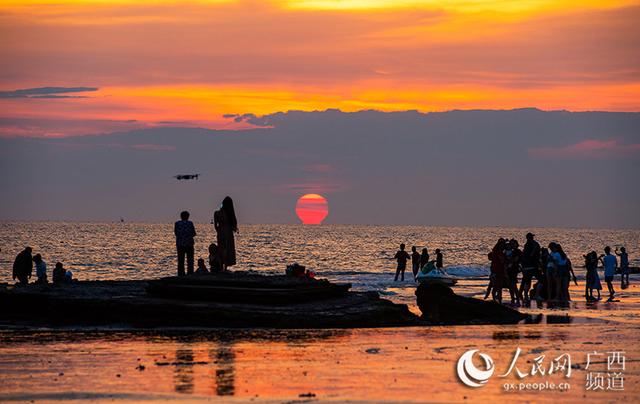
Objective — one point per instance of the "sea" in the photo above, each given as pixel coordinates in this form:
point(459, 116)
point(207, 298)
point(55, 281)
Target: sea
point(360, 255)
point(406, 364)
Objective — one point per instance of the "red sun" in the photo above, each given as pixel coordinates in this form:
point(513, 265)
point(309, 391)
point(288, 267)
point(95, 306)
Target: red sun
point(312, 208)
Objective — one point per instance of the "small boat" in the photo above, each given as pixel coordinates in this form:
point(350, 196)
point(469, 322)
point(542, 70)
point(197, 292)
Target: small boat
point(430, 274)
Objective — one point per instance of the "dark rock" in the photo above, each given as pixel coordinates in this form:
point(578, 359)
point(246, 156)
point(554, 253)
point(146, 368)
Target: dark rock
point(440, 305)
point(126, 303)
point(246, 287)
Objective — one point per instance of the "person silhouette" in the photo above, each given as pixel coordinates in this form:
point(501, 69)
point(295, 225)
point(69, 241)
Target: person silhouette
point(610, 263)
point(424, 257)
point(439, 259)
point(225, 224)
point(401, 256)
point(530, 265)
point(202, 268)
point(184, 231)
point(624, 267)
point(59, 273)
point(415, 261)
point(41, 269)
point(593, 280)
point(23, 266)
point(214, 258)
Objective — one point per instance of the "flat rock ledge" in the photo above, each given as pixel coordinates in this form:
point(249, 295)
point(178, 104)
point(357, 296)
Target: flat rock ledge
point(128, 304)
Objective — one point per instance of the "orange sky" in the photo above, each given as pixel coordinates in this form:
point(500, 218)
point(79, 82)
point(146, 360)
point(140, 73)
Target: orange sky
point(189, 63)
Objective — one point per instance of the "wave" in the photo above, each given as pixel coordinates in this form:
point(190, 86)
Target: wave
point(468, 271)
point(459, 271)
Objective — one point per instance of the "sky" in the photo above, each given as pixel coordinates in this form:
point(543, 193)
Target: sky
point(523, 167)
point(101, 99)
point(127, 65)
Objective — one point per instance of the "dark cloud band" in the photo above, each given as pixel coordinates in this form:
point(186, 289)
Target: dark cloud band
point(47, 92)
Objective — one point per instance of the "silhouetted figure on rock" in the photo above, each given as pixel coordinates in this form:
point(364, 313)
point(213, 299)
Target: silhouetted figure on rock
point(202, 268)
point(59, 273)
point(225, 223)
point(23, 266)
point(214, 258)
point(184, 231)
point(41, 269)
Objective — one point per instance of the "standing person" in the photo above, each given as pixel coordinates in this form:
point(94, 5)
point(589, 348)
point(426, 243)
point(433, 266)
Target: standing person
point(513, 268)
point(415, 261)
point(498, 269)
point(225, 223)
point(184, 231)
point(401, 256)
point(542, 292)
point(530, 261)
point(624, 267)
point(609, 262)
point(23, 266)
point(593, 280)
point(552, 273)
point(439, 259)
point(41, 269)
point(424, 258)
point(566, 274)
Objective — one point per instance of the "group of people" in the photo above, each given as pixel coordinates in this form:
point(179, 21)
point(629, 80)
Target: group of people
point(609, 263)
point(418, 261)
point(552, 270)
point(221, 255)
point(23, 269)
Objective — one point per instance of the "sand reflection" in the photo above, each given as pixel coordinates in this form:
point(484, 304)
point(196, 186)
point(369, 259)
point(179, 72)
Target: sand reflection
point(183, 371)
point(224, 359)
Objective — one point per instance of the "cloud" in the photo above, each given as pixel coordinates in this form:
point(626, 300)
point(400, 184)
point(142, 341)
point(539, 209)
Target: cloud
point(47, 92)
point(120, 146)
point(463, 168)
point(253, 119)
point(53, 127)
point(312, 186)
point(586, 149)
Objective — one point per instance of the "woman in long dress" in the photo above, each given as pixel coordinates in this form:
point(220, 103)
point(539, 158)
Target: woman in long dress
point(225, 223)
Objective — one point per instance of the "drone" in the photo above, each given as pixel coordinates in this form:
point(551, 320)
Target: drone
point(186, 177)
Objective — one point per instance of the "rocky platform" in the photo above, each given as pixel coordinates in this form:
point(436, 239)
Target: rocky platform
point(168, 303)
point(439, 305)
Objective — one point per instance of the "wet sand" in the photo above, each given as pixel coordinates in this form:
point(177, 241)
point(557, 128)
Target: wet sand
point(389, 364)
